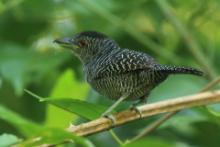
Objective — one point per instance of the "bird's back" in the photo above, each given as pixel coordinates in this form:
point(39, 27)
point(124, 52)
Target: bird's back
point(122, 71)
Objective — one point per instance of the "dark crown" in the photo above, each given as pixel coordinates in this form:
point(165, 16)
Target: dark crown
point(92, 34)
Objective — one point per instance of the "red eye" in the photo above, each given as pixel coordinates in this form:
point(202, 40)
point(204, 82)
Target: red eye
point(82, 43)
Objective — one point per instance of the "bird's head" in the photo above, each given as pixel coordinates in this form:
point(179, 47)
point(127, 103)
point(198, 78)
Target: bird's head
point(87, 45)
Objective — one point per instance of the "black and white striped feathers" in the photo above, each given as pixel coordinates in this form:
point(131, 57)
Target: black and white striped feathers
point(114, 71)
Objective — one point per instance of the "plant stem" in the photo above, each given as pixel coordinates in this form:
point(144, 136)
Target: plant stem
point(116, 138)
point(132, 30)
point(193, 47)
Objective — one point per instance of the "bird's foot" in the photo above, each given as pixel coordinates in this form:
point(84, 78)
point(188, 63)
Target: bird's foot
point(110, 117)
point(136, 109)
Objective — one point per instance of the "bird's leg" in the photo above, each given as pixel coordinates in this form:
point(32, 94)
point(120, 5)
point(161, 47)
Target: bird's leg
point(107, 113)
point(142, 100)
point(112, 107)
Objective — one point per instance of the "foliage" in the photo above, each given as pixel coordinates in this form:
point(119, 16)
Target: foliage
point(8, 139)
point(174, 32)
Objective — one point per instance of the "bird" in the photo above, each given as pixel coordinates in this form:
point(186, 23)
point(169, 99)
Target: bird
point(120, 74)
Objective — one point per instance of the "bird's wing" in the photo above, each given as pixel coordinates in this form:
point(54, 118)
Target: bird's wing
point(124, 61)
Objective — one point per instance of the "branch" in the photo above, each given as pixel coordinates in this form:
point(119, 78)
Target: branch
point(160, 121)
point(102, 124)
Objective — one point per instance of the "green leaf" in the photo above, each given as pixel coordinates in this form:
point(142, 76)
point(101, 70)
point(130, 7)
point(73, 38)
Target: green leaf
point(8, 140)
point(66, 86)
point(185, 127)
point(206, 134)
point(176, 86)
point(210, 113)
point(150, 142)
point(56, 136)
point(21, 66)
point(211, 109)
point(26, 127)
point(45, 135)
point(82, 108)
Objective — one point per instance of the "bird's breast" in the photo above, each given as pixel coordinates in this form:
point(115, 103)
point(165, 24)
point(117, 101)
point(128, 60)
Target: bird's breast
point(116, 86)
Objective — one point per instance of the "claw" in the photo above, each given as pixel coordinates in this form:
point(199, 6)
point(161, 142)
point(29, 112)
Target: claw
point(111, 117)
point(133, 107)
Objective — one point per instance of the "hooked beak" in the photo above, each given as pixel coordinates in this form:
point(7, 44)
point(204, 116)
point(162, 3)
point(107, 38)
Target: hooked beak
point(65, 42)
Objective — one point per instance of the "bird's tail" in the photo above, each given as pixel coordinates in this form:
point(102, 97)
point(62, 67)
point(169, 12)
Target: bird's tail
point(178, 70)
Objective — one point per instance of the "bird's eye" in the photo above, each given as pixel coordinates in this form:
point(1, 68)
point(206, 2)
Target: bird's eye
point(82, 43)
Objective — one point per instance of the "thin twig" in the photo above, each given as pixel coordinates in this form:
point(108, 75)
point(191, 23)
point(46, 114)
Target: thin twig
point(160, 121)
point(116, 138)
point(193, 46)
point(153, 126)
point(211, 84)
point(119, 22)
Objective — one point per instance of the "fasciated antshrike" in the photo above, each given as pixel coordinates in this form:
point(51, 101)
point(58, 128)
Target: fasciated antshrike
point(119, 73)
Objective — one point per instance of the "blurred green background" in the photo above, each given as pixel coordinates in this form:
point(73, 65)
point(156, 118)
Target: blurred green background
point(173, 31)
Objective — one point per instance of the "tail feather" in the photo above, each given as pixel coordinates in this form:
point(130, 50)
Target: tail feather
point(178, 70)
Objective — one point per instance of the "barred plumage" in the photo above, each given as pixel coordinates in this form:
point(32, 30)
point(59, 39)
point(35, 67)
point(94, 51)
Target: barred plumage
point(114, 71)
